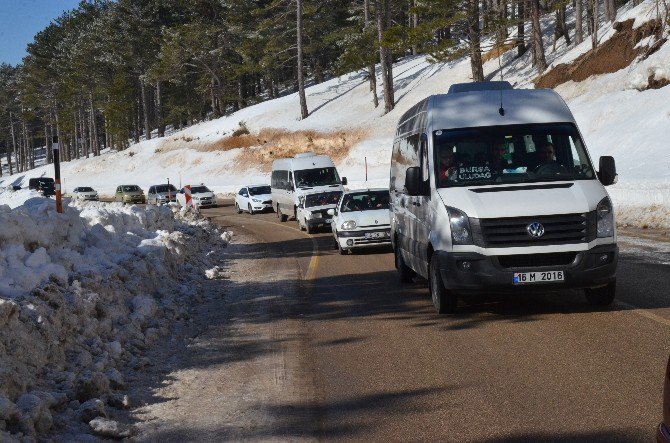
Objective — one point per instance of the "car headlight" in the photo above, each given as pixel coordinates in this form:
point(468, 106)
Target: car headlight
point(461, 234)
point(605, 217)
point(255, 200)
point(349, 224)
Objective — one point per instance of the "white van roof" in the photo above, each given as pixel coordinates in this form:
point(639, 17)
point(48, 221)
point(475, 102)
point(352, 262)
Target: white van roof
point(481, 108)
point(303, 162)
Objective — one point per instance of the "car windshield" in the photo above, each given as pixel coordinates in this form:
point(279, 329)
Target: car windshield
point(322, 199)
point(510, 154)
point(199, 189)
point(365, 201)
point(130, 188)
point(317, 177)
point(259, 190)
point(164, 188)
point(85, 189)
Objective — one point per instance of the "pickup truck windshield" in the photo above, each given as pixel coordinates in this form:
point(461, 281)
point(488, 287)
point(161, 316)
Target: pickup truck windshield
point(510, 154)
point(316, 177)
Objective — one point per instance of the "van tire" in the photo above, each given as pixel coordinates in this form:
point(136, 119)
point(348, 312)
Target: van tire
point(444, 301)
point(237, 208)
point(601, 296)
point(405, 273)
point(282, 217)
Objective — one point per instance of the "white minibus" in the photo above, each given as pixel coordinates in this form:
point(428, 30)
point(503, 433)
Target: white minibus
point(492, 190)
point(306, 173)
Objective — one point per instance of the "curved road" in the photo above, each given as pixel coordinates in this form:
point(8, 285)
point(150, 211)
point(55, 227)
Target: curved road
point(376, 364)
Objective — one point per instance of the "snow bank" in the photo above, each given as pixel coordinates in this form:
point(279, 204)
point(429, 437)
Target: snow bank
point(82, 294)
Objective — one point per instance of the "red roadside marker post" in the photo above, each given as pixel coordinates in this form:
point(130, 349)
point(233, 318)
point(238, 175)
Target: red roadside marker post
point(59, 197)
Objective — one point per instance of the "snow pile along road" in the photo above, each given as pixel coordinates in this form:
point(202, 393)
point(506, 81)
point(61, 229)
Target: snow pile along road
point(82, 295)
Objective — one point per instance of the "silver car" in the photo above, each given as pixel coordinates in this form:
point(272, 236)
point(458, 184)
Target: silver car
point(161, 194)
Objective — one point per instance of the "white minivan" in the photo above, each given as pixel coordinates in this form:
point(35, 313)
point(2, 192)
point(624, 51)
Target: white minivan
point(294, 178)
point(492, 190)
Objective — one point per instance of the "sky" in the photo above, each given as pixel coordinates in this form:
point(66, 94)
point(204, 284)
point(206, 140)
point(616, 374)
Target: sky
point(20, 20)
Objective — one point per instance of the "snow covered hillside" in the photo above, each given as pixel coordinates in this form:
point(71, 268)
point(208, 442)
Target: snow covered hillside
point(619, 113)
point(82, 295)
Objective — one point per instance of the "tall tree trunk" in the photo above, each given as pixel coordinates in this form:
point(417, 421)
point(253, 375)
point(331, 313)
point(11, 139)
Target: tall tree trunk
point(9, 162)
point(301, 75)
point(26, 153)
point(579, 32)
point(11, 126)
point(137, 119)
point(386, 67)
point(520, 29)
point(145, 110)
point(414, 23)
point(594, 34)
point(474, 37)
point(561, 27)
point(93, 125)
point(47, 143)
point(372, 74)
point(538, 46)
point(159, 110)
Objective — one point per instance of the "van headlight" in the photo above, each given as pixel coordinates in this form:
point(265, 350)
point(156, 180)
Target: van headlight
point(605, 217)
point(348, 225)
point(461, 234)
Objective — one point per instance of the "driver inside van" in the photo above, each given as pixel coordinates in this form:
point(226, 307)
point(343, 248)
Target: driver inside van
point(447, 166)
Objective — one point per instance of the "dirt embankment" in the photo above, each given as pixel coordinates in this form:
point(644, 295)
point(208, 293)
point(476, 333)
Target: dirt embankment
point(616, 53)
point(259, 150)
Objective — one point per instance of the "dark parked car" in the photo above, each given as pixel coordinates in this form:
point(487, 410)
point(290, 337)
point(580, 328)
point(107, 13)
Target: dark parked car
point(44, 185)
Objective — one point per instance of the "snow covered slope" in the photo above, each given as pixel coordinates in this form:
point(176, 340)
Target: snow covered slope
point(615, 116)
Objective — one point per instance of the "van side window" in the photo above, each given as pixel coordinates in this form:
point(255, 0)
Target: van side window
point(405, 155)
point(289, 183)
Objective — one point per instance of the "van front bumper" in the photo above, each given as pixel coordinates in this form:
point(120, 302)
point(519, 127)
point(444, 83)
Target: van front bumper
point(474, 272)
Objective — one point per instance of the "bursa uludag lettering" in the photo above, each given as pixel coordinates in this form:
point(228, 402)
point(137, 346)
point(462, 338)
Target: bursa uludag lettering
point(474, 172)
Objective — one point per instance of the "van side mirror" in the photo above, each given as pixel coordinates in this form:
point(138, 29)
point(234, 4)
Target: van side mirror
point(344, 181)
point(413, 182)
point(607, 171)
point(331, 212)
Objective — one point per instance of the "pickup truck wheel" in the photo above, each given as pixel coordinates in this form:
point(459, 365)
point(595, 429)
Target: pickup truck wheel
point(310, 229)
point(601, 296)
point(237, 208)
point(405, 273)
point(444, 301)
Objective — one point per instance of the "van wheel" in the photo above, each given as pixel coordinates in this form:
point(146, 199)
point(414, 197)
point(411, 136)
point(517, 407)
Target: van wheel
point(251, 211)
point(405, 273)
point(601, 296)
point(444, 301)
point(237, 208)
point(282, 217)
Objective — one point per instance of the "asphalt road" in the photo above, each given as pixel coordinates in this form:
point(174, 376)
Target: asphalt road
point(381, 366)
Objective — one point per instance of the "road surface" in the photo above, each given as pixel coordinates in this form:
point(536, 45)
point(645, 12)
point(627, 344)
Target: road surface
point(306, 344)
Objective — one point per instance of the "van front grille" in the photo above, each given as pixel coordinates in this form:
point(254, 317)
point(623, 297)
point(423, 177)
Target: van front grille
point(513, 232)
point(536, 260)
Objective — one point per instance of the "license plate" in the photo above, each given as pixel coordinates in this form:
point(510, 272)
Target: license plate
point(374, 235)
point(521, 278)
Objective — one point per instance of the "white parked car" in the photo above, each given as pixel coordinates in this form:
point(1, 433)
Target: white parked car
point(312, 211)
point(362, 220)
point(201, 195)
point(85, 193)
point(254, 198)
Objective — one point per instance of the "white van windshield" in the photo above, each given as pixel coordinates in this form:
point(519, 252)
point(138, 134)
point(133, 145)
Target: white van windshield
point(510, 154)
point(316, 177)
